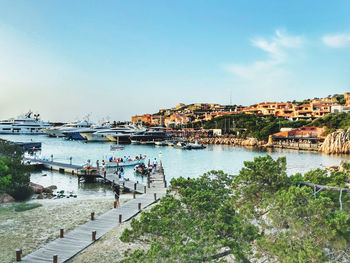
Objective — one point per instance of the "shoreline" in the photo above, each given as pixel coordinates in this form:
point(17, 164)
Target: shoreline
point(253, 142)
point(31, 229)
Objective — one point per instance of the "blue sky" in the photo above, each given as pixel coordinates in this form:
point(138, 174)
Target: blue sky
point(115, 59)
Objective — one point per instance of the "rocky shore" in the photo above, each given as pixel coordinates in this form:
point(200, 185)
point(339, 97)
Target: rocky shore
point(337, 142)
point(249, 142)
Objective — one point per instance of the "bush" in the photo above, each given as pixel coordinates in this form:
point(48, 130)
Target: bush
point(21, 192)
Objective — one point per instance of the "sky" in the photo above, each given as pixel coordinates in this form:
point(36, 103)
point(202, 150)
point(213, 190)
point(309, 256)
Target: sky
point(114, 59)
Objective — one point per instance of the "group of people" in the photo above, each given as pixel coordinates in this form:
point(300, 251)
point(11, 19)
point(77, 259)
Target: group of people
point(127, 159)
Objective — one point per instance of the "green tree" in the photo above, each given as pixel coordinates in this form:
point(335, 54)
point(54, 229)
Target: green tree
point(194, 225)
point(14, 176)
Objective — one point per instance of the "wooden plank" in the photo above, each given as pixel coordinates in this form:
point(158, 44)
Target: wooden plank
point(78, 239)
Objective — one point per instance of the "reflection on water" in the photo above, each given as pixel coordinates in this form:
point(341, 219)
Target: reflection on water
point(176, 162)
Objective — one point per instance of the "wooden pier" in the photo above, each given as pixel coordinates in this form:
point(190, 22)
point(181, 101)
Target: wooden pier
point(71, 243)
point(57, 166)
point(78, 170)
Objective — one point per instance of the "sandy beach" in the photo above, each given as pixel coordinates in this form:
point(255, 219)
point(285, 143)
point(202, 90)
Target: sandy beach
point(109, 248)
point(29, 230)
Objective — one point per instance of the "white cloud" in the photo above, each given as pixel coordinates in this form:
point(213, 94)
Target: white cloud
point(336, 40)
point(270, 76)
point(277, 50)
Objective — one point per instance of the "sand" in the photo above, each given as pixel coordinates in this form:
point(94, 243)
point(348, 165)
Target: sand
point(29, 230)
point(109, 248)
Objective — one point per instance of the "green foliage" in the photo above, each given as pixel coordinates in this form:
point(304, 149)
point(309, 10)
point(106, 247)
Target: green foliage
point(333, 121)
point(20, 207)
point(257, 183)
point(14, 176)
point(346, 166)
point(252, 125)
point(300, 224)
point(193, 225)
point(261, 207)
point(340, 98)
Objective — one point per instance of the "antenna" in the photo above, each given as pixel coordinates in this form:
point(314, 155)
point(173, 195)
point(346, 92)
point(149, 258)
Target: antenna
point(230, 97)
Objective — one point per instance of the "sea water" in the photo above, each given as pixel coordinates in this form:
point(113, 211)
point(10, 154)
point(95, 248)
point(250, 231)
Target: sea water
point(176, 162)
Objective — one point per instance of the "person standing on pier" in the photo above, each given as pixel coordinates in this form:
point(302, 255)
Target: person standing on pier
point(116, 194)
point(121, 173)
point(98, 165)
point(103, 165)
point(155, 163)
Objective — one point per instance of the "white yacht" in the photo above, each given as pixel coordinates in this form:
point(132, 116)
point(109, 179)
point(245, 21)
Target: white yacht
point(59, 131)
point(76, 133)
point(25, 124)
point(118, 134)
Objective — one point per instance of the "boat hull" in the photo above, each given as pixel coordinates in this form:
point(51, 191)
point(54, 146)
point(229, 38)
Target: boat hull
point(92, 137)
point(124, 164)
point(73, 136)
point(122, 139)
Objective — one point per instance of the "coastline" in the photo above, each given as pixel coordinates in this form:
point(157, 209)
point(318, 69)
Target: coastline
point(253, 142)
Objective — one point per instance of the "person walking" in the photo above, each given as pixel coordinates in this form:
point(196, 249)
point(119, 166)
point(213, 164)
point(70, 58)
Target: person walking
point(121, 173)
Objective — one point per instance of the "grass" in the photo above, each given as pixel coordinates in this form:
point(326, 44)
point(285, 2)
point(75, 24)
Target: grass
point(20, 207)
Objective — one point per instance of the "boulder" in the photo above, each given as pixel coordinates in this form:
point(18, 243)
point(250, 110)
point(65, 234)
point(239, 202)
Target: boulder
point(37, 188)
point(47, 190)
point(250, 142)
point(6, 198)
point(52, 187)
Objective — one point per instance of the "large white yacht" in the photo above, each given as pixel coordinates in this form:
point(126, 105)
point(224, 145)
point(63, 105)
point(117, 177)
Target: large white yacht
point(59, 131)
point(121, 134)
point(76, 133)
point(25, 124)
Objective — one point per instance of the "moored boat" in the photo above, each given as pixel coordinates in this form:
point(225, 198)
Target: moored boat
point(25, 124)
point(196, 145)
point(118, 163)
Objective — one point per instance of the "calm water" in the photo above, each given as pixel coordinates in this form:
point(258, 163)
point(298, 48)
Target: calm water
point(176, 162)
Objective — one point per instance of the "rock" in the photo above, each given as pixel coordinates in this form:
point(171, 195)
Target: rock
point(40, 196)
point(250, 142)
point(52, 187)
point(337, 142)
point(6, 198)
point(47, 190)
point(332, 168)
point(37, 188)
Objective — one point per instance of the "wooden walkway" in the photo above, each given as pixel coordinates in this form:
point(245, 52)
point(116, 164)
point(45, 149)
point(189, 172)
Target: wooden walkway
point(76, 169)
point(81, 237)
point(57, 166)
point(131, 185)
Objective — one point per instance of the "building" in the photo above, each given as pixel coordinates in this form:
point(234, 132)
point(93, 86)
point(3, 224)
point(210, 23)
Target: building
point(301, 133)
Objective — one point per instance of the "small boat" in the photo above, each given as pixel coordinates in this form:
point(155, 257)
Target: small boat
point(182, 145)
point(196, 145)
point(147, 142)
point(116, 163)
point(141, 169)
point(117, 147)
point(161, 143)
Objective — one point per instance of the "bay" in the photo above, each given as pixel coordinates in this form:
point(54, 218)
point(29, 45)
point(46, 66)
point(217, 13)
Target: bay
point(176, 162)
